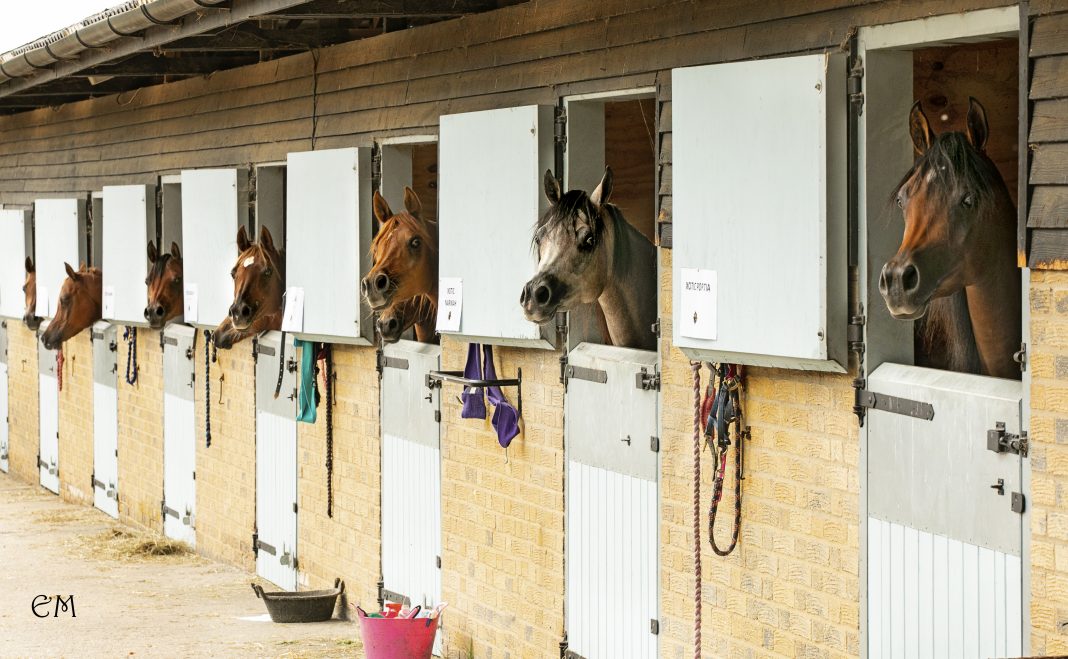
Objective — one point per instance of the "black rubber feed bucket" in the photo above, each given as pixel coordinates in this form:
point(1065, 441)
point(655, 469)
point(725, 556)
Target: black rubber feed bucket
point(306, 606)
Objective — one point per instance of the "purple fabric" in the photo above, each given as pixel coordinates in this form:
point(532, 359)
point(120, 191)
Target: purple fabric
point(505, 416)
point(473, 398)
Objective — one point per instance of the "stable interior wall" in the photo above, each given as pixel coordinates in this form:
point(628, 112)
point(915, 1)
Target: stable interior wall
point(630, 150)
point(140, 432)
point(23, 415)
point(76, 420)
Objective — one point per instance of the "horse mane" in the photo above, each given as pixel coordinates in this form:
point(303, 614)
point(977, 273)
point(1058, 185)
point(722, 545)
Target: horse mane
point(954, 161)
point(412, 223)
point(565, 211)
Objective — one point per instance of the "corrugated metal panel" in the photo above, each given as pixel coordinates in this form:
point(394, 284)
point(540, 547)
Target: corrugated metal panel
point(933, 596)
point(105, 421)
point(411, 475)
point(276, 467)
point(129, 220)
point(612, 558)
point(179, 436)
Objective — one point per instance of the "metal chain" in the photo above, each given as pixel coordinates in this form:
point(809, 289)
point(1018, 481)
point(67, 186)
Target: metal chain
point(695, 367)
point(281, 364)
point(207, 388)
point(129, 335)
point(328, 358)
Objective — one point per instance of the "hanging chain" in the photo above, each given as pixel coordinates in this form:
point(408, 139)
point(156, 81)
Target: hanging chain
point(696, 368)
point(281, 364)
point(129, 335)
point(208, 342)
point(328, 358)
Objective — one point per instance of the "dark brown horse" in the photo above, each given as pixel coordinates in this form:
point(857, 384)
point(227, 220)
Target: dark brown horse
point(405, 255)
point(398, 318)
point(78, 308)
point(956, 266)
point(259, 284)
point(588, 252)
point(32, 320)
point(164, 286)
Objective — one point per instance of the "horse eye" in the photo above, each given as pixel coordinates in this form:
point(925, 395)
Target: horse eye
point(268, 272)
point(146, 281)
point(590, 241)
point(176, 281)
point(900, 202)
point(233, 274)
point(414, 243)
point(967, 201)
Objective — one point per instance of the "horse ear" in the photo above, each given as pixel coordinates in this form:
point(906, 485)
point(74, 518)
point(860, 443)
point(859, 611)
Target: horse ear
point(176, 251)
point(29, 265)
point(243, 242)
point(70, 271)
point(412, 203)
point(381, 208)
point(153, 255)
point(603, 192)
point(266, 240)
point(920, 129)
point(978, 129)
point(552, 188)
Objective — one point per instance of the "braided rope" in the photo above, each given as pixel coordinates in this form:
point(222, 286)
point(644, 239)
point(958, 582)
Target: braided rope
point(327, 353)
point(721, 468)
point(59, 367)
point(695, 367)
point(207, 388)
point(130, 336)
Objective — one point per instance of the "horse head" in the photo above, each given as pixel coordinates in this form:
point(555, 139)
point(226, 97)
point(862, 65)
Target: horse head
point(164, 286)
point(32, 320)
point(78, 305)
point(398, 318)
point(259, 284)
point(405, 255)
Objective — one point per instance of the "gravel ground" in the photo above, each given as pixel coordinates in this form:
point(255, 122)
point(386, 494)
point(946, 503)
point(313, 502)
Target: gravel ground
point(134, 595)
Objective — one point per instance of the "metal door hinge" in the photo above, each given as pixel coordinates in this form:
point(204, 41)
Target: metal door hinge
point(855, 334)
point(376, 167)
point(654, 444)
point(560, 127)
point(654, 626)
point(855, 85)
point(572, 372)
point(1018, 502)
point(437, 416)
point(437, 562)
point(294, 507)
point(647, 381)
point(656, 328)
point(1020, 357)
point(159, 196)
point(1000, 441)
point(870, 400)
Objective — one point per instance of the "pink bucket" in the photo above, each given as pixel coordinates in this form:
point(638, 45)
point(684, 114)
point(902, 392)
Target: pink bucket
point(398, 638)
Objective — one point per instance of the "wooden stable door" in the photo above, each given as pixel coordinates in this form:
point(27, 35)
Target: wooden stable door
point(945, 522)
point(179, 436)
point(276, 462)
point(5, 421)
point(611, 441)
point(105, 419)
point(48, 417)
point(411, 475)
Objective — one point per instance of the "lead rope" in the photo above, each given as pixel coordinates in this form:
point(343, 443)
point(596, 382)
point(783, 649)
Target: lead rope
point(59, 367)
point(281, 364)
point(695, 367)
point(726, 410)
point(328, 358)
point(129, 335)
point(207, 388)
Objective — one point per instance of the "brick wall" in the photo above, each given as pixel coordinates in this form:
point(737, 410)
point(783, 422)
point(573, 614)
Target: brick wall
point(503, 522)
point(347, 545)
point(76, 420)
point(140, 439)
point(1049, 462)
point(23, 381)
point(226, 472)
point(791, 588)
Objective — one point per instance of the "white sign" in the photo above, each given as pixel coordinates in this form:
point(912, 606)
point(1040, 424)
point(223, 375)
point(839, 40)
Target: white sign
point(697, 315)
point(41, 309)
point(108, 303)
point(450, 303)
point(293, 317)
point(190, 305)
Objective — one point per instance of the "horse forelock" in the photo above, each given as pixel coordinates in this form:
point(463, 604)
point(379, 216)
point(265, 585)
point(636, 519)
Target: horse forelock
point(952, 164)
point(408, 221)
point(565, 213)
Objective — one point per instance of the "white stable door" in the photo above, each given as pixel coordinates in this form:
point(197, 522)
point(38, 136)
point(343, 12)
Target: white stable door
point(179, 436)
point(48, 417)
point(105, 420)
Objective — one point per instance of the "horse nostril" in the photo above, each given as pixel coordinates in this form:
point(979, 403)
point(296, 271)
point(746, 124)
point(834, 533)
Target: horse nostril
point(910, 278)
point(159, 310)
point(233, 309)
point(363, 286)
point(246, 311)
point(381, 282)
point(147, 314)
point(391, 325)
point(542, 294)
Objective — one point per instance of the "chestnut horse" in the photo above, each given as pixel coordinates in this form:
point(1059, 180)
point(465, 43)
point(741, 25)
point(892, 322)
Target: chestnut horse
point(259, 285)
point(588, 252)
point(405, 256)
point(399, 317)
point(164, 286)
point(956, 264)
point(78, 307)
point(32, 320)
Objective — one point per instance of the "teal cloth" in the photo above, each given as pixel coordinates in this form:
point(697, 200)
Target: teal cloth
point(306, 403)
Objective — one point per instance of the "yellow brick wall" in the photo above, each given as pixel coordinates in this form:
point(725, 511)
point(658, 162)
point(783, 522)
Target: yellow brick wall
point(503, 522)
point(226, 471)
point(791, 588)
point(1049, 463)
point(348, 545)
point(76, 420)
point(23, 381)
point(140, 440)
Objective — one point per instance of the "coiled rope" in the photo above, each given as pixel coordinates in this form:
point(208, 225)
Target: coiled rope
point(129, 335)
point(328, 358)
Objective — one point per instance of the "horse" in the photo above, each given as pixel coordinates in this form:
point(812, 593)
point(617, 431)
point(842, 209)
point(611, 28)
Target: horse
point(956, 265)
point(259, 284)
point(164, 283)
point(405, 255)
point(419, 312)
point(78, 307)
point(29, 289)
point(588, 252)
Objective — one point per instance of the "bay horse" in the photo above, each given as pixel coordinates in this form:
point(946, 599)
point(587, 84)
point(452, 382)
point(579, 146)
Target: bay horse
point(29, 289)
point(396, 319)
point(78, 305)
point(259, 284)
point(164, 283)
point(956, 265)
point(405, 255)
point(588, 252)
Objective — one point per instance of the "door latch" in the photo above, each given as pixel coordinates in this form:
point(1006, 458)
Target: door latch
point(1000, 441)
point(999, 486)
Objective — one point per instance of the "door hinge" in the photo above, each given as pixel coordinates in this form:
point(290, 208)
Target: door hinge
point(159, 195)
point(654, 626)
point(654, 444)
point(437, 562)
point(870, 400)
point(560, 127)
point(255, 544)
point(855, 334)
point(437, 416)
point(572, 372)
point(1020, 357)
point(647, 381)
point(1000, 441)
point(294, 507)
point(855, 85)
point(1018, 502)
point(376, 167)
point(656, 328)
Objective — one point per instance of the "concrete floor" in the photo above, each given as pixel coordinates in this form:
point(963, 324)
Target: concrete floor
point(131, 605)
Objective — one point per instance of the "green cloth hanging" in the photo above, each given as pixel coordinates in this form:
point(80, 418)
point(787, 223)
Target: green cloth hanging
point(308, 400)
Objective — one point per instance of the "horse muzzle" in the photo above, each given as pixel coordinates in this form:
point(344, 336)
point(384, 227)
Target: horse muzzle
point(541, 297)
point(899, 284)
point(242, 314)
point(156, 315)
point(32, 322)
point(377, 289)
point(389, 329)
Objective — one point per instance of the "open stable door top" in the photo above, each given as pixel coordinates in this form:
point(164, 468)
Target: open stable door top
point(759, 176)
point(129, 222)
point(16, 243)
point(214, 205)
point(328, 206)
point(61, 239)
point(491, 196)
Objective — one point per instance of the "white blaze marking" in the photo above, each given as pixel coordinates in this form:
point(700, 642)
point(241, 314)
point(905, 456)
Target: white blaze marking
point(249, 261)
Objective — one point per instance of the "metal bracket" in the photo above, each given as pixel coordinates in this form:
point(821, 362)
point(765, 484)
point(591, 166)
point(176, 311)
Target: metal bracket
point(435, 379)
point(647, 381)
point(1020, 357)
point(654, 626)
point(855, 85)
point(270, 549)
point(895, 405)
point(255, 544)
point(655, 329)
point(654, 444)
point(1018, 502)
point(572, 372)
point(1000, 441)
